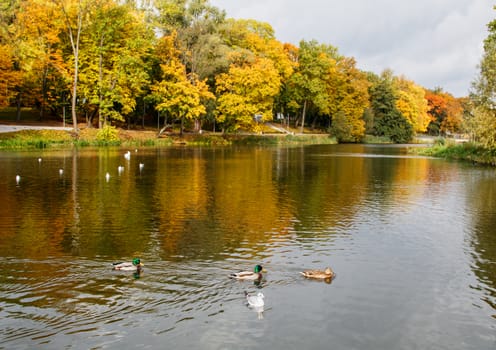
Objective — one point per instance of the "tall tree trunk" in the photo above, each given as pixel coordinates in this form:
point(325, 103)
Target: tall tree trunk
point(18, 107)
point(303, 116)
point(100, 84)
point(75, 50)
point(143, 117)
point(44, 93)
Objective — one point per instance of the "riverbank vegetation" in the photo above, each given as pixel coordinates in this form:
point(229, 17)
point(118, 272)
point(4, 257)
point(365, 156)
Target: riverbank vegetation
point(466, 151)
point(182, 65)
point(110, 136)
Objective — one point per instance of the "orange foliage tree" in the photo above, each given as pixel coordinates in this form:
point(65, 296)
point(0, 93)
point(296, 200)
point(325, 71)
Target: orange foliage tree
point(446, 112)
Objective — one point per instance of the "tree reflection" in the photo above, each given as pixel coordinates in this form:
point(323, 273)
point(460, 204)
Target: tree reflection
point(482, 194)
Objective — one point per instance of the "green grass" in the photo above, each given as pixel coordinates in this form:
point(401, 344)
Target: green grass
point(281, 140)
point(40, 139)
point(465, 151)
point(35, 139)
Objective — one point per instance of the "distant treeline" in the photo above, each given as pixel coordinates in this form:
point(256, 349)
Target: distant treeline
point(182, 61)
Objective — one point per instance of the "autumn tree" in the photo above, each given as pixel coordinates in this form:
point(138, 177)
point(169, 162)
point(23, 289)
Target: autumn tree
point(10, 72)
point(285, 102)
point(259, 39)
point(40, 23)
point(446, 112)
point(75, 14)
point(348, 90)
point(453, 123)
point(259, 65)
point(180, 94)
point(113, 69)
point(246, 90)
point(412, 104)
point(15, 60)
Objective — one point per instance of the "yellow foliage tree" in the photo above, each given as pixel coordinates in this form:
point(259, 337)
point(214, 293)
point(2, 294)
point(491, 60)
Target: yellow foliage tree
point(179, 94)
point(412, 103)
point(9, 76)
point(247, 90)
point(348, 88)
point(40, 25)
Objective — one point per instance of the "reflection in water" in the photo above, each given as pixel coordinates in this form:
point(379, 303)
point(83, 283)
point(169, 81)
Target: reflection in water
point(410, 239)
point(481, 196)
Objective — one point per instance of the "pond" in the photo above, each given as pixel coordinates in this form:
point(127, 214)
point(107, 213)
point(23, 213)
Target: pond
point(412, 241)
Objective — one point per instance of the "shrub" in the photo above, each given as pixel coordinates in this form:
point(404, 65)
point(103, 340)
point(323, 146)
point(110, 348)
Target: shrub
point(108, 134)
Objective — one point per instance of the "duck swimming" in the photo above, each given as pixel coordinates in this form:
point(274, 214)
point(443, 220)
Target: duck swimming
point(135, 265)
point(255, 301)
point(319, 274)
point(248, 275)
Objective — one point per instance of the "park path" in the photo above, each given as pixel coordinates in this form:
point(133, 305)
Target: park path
point(12, 128)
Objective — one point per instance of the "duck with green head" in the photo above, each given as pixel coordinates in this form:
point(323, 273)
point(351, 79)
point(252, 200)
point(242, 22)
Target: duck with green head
point(248, 275)
point(135, 266)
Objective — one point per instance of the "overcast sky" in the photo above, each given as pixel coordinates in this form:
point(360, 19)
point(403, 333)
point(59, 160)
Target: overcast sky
point(436, 43)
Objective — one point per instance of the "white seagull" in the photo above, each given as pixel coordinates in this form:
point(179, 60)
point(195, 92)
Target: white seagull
point(255, 301)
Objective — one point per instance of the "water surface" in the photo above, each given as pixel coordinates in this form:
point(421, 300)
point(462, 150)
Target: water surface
point(411, 239)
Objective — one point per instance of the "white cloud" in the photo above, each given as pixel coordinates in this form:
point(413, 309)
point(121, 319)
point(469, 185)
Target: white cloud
point(433, 42)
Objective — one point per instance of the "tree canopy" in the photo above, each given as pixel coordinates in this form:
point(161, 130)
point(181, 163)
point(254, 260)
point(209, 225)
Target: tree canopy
point(482, 118)
point(116, 61)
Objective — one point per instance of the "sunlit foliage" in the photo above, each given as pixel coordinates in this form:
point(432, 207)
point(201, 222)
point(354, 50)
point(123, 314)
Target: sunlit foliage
point(412, 103)
point(103, 59)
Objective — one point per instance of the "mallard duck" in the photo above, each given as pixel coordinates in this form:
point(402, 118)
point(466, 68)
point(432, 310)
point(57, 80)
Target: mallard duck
point(248, 275)
point(255, 301)
point(135, 265)
point(319, 274)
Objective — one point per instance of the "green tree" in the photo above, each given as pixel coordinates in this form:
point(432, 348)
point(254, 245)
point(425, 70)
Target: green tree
point(309, 83)
point(388, 120)
point(113, 61)
point(196, 24)
point(483, 123)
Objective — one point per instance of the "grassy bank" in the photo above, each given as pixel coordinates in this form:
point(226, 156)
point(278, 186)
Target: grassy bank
point(35, 139)
point(461, 151)
point(42, 139)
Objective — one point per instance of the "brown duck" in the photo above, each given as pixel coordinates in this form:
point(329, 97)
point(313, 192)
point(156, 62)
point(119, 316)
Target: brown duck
point(319, 274)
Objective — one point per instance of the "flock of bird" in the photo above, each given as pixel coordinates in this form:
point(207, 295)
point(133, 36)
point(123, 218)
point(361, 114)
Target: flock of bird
point(120, 168)
point(254, 301)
